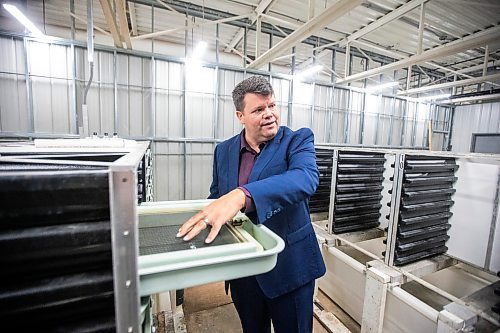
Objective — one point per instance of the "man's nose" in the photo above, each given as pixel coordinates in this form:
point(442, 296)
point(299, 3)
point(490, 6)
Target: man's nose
point(268, 112)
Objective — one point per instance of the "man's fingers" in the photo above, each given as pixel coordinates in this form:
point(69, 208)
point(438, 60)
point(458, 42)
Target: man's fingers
point(213, 233)
point(190, 224)
point(195, 230)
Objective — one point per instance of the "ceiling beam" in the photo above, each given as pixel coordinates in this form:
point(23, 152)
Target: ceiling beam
point(167, 6)
point(262, 7)
point(396, 13)
point(472, 98)
point(476, 67)
point(399, 55)
point(328, 16)
point(122, 16)
point(189, 26)
point(257, 36)
point(465, 82)
point(284, 28)
point(110, 19)
point(247, 59)
point(478, 39)
point(284, 24)
point(133, 17)
point(462, 74)
point(85, 21)
point(312, 4)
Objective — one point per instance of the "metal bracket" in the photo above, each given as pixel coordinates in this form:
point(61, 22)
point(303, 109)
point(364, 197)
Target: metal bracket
point(394, 212)
point(333, 188)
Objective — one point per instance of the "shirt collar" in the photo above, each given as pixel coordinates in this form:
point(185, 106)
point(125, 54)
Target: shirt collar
point(244, 144)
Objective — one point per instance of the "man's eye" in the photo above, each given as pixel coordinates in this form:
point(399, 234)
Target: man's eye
point(272, 106)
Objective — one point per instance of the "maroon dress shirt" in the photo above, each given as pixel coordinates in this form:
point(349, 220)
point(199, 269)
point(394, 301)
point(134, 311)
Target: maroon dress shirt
point(248, 156)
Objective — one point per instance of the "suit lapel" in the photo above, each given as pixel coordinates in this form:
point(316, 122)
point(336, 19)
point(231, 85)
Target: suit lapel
point(266, 156)
point(233, 163)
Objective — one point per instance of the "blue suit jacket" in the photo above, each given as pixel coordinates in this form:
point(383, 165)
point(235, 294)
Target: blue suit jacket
point(283, 178)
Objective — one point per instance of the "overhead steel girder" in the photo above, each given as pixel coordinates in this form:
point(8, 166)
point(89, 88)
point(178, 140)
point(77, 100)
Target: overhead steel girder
point(478, 39)
point(396, 13)
point(133, 18)
point(472, 99)
point(328, 16)
point(124, 31)
point(477, 67)
point(262, 7)
point(451, 84)
point(111, 20)
point(213, 14)
point(399, 55)
point(190, 26)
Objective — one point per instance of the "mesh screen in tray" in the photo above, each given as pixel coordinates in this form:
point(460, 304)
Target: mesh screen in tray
point(161, 239)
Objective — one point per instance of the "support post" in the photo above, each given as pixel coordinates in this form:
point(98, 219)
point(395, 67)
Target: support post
point(374, 304)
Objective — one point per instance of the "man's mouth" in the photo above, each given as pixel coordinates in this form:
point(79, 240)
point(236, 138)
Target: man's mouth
point(269, 123)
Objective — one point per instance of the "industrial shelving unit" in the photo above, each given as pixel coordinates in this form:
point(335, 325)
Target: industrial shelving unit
point(411, 271)
point(356, 190)
point(68, 237)
point(424, 190)
point(320, 200)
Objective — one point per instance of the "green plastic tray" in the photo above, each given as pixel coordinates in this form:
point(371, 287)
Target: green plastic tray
point(238, 251)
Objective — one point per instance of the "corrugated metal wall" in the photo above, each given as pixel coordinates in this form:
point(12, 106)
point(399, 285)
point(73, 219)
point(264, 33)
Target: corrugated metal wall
point(468, 119)
point(184, 111)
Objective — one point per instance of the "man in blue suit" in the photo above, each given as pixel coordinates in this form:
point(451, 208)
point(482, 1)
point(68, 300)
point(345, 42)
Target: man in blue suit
point(269, 172)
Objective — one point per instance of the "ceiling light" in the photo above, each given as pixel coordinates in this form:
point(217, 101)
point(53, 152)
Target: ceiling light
point(308, 72)
point(381, 87)
point(23, 19)
point(433, 98)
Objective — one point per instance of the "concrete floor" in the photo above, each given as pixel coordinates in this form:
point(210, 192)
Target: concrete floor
point(207, 309)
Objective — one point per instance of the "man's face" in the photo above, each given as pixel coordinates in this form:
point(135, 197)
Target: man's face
point(260, 118)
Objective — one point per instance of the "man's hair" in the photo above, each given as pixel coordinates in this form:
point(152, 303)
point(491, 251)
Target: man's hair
point(255, 85)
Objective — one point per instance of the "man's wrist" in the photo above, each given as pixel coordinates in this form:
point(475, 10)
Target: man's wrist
point(241, 196)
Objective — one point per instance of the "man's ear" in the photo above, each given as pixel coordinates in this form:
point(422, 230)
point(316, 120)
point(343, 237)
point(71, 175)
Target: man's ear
point(239, 115)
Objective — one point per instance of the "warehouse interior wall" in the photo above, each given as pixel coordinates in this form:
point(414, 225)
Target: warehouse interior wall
point(185, 111)
point(475, 118)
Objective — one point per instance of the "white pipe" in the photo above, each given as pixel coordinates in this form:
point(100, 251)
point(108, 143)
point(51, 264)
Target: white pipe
point(348, 260)
point(415, 303)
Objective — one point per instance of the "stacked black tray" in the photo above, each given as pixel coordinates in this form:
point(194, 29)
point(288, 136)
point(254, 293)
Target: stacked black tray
point(55, 240)
point(320, 201)
point(424, 207)
point(358, 191)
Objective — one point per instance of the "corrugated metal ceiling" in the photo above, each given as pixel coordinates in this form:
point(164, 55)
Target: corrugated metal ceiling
point(444, 21)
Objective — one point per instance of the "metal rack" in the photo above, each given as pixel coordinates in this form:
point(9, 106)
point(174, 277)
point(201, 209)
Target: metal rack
point(356, 190)
point(422, 194)
point(320, 200)
point(440, 247)
point(68, 238)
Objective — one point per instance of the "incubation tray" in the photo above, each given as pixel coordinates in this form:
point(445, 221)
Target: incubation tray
point(168, 263)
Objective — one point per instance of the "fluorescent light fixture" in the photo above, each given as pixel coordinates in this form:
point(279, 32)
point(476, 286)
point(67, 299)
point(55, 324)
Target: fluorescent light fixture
point(199, 50)
point(307, 72)
point(23, 19)
point(433, 98)
point(381, 87)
